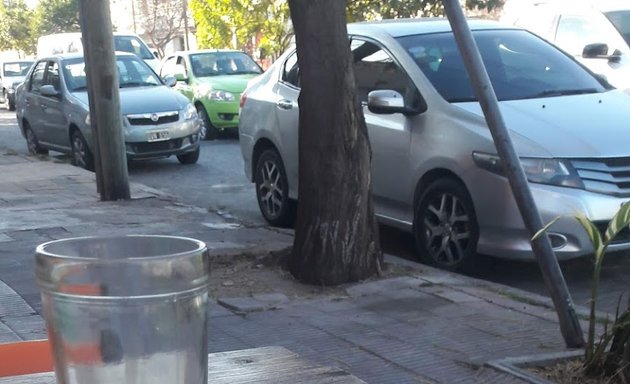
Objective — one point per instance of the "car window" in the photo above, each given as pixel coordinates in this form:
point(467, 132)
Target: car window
point(574, 32)
point(16, 68)
point(621, 21)
point(520, 65)
point(375, 69)
point(52, 75)
point(291, 71)
point(132, 72)
point(169, 66)
point(37, 77)
point(222, 63)
point(133, 45)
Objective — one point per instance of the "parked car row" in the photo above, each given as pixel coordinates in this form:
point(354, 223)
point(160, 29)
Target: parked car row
point(12, 74)
point(435, 168)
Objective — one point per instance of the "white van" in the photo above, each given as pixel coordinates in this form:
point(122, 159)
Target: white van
point(596, 33)
point(71, 42)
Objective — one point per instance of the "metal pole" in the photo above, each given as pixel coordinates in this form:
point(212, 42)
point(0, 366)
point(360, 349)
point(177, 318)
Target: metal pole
point(104, 100)
point(185, 15)
point(552, 275)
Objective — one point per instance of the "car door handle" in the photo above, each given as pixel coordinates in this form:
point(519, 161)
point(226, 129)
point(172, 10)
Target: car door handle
point(285, 104)
point(44, 107)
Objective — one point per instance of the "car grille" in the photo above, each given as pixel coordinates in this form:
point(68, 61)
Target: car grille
point(153, 118)
point(608, 176)
point(622, 237)
point(158, 146)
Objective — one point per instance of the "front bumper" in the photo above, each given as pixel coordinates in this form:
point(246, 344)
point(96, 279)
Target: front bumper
point(181, 136)
point(223, 114)
point(502, 230)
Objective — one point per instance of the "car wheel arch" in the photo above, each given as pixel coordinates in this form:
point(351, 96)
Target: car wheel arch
point(261, 146)
point(431, 176)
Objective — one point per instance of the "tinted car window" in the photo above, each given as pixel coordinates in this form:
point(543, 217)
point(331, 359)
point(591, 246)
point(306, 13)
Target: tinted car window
point(290, 72)
point(519, 64)
point(375, 69)
point(621, 21)
point(37, 78)
point(52, 76)
point(133, 45)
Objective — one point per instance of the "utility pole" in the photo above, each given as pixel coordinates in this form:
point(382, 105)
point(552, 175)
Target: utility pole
point(105, 117)
point(552, 275)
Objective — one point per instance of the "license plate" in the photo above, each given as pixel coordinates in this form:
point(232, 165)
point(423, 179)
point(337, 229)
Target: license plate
point(158, 136)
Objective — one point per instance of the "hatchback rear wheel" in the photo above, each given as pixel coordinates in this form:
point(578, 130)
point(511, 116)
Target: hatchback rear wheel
point(272, 189)
point(445, 226)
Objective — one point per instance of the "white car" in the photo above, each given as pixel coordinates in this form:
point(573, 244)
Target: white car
point(435, 168)
point(596, 33)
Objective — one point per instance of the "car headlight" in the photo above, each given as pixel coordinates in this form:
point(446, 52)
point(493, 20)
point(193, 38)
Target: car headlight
point(558, 172)
point(221, 95)
point(190, 112)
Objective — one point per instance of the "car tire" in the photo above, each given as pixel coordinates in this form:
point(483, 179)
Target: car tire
point(190, 157)
point(81, 154)
point(10, 104)
point(34, 148)
point(272, 190)
point(445, 226)
point(207, 131)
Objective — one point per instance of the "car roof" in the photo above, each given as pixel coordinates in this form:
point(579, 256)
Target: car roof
point(569, 6)
point(196, 51)
point(406, 27)
point(77, 55)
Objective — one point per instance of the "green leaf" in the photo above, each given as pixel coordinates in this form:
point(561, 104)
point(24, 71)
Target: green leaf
point(593, 234)
point(545, 228)
point(618, 222)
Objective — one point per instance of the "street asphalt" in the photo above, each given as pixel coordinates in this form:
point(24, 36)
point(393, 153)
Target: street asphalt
point(431, 327)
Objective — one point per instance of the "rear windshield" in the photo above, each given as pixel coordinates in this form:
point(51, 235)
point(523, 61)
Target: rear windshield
point(133, 45)
point(16, 68)
point(519, 64)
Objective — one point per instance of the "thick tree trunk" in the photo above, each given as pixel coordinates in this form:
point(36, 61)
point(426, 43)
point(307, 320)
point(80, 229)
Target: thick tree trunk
point(336, 235)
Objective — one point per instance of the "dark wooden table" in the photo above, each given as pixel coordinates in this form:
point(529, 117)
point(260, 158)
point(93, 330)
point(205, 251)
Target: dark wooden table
point(265, 365)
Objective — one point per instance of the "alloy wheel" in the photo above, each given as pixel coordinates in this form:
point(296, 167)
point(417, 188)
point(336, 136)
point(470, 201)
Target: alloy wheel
point(446, 225)
point(271, 189)
point(31, 142)
point(79, 151)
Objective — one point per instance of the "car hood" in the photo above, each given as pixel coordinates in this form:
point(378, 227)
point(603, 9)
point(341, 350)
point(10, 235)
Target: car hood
point(145, 100)
point(230, 83)
point(593, 125)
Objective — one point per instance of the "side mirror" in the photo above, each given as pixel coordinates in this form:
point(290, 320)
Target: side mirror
point(387, 101)
point(170, 80)
point(600, 51)
point(49, 91)
point(180, 73)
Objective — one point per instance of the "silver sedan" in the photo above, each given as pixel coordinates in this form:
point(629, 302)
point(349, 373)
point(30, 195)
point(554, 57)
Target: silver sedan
point(435, 168)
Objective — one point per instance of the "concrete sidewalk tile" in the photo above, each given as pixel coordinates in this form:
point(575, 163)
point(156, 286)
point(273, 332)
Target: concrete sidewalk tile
point(457, 296)
point(4, 238)
point(242, 305)
point(7, 335)
point(379, 286)
point(30, 327)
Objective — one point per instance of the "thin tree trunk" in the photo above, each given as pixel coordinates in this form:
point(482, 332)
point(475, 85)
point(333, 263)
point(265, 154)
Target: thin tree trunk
point(336, 235)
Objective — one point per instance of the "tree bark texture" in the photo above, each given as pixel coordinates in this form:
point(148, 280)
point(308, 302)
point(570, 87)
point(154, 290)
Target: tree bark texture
point(104, 100)
point(336, 235)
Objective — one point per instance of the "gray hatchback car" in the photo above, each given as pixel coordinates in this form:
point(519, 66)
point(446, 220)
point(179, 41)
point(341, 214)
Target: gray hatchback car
point(53, 111)
point(435, 169)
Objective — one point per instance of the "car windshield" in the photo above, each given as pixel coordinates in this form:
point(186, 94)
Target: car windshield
point(133, 45)
point(621, 21)
point(132, 72)
point(519, 64)
point(222, 63)
point(18, 68)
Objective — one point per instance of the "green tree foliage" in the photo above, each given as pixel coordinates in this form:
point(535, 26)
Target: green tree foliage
point(15, 33)
point(241, 24)
point(56, 16)
point(360, 10)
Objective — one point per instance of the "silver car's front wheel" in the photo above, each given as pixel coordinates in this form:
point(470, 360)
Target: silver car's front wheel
point(446, 227)
point(272, 190)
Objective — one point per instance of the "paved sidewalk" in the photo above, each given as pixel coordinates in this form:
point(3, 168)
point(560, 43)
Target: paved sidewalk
point(434, 327)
